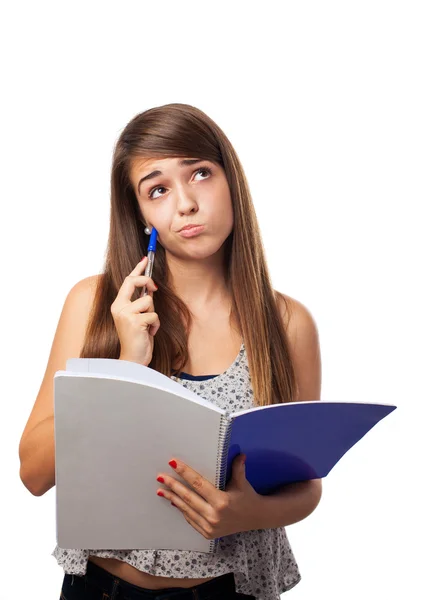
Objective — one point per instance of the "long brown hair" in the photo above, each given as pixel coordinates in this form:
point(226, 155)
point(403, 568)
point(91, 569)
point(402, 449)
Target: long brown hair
point(175, 130)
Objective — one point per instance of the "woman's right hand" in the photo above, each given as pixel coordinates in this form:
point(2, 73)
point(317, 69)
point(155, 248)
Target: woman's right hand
point(136, 322)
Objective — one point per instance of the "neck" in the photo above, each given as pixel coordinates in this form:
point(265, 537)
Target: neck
point(200, 283)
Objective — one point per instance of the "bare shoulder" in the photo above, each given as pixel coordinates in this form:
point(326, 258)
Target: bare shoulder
point(86, 286)
point(78, 303)
point(82, 294)
point(73, 321)
point(67, 343)
point(297, 318)
point(304, 344)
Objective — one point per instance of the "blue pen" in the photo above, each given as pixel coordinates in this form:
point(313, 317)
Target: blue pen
point(151, 254)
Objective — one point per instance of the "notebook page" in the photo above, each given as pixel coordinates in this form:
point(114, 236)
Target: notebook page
point(112, 437)
point(130, 371)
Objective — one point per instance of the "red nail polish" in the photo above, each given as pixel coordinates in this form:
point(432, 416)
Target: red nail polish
point(160, 479)
point(173, 464)
point(173, 504)
point(160, 493)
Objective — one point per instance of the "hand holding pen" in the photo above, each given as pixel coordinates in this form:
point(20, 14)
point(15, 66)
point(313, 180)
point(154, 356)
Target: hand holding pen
point(136, 322)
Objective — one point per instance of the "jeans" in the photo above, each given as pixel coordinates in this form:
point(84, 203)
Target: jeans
point(99, 584)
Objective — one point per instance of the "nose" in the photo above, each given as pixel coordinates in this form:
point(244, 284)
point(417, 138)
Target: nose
point(186, 200)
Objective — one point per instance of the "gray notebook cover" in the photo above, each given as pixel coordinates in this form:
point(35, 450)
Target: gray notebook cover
point(113, 435)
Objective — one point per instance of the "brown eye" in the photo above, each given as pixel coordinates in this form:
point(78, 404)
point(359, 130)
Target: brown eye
point(160, 187)
point(206, 170)
point(153, 190)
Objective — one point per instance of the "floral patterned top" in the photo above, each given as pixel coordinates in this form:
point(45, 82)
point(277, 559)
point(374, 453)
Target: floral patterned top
point(262, 560)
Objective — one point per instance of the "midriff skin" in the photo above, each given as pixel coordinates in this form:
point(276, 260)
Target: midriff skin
point(224, 338)
point(127, 572)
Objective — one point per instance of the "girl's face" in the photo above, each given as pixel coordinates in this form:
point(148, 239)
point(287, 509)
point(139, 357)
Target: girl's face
point(172, 195)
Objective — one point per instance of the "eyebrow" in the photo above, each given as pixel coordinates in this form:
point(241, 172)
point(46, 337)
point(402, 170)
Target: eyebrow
point(183, 163)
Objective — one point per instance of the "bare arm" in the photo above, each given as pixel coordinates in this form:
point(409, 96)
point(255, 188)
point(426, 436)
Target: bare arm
point(37, 444)
point(289, 505)
point(37, 457)
point(295, 502)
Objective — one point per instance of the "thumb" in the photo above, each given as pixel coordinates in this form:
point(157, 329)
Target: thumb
point(238, 476)
point(239, 465)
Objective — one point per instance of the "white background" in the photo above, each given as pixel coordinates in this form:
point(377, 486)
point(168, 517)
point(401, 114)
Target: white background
point(332, 108)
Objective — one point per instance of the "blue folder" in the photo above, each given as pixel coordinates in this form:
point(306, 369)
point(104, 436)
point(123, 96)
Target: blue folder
point(291, 442)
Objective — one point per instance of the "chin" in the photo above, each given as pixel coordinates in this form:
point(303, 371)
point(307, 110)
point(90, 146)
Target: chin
point(197, 248)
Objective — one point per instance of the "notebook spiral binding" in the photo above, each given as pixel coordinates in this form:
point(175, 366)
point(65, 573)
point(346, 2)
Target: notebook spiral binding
point(225, 433)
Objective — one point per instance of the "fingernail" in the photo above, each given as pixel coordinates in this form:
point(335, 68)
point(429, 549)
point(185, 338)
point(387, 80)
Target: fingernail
point(173, 464)
point(160, 493)
point(173, 504)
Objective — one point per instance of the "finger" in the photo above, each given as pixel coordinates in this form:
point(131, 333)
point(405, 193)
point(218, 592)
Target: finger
point(140, 267)
point(149, 320)
point(187, 496)
point(197, 520)
point(195, 526)
point(194, 519)
point(200, 484)
point(131, 282)
point(143, 304)
point(154, 328)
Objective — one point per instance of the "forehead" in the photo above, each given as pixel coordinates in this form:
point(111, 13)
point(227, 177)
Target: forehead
point(140, 164)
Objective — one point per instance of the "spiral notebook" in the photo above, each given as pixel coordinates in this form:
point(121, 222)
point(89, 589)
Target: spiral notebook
point(118, 423)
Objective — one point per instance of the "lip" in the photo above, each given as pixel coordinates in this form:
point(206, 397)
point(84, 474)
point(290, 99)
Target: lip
point(188, 226)
point(191, 231)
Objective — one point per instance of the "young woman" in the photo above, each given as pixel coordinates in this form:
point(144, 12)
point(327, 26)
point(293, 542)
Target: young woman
point(213, 323)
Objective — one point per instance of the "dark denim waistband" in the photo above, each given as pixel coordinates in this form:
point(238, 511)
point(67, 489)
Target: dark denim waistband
point(99, 583)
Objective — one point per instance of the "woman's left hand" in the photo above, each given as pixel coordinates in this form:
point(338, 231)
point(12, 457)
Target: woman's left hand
point(212, 512)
